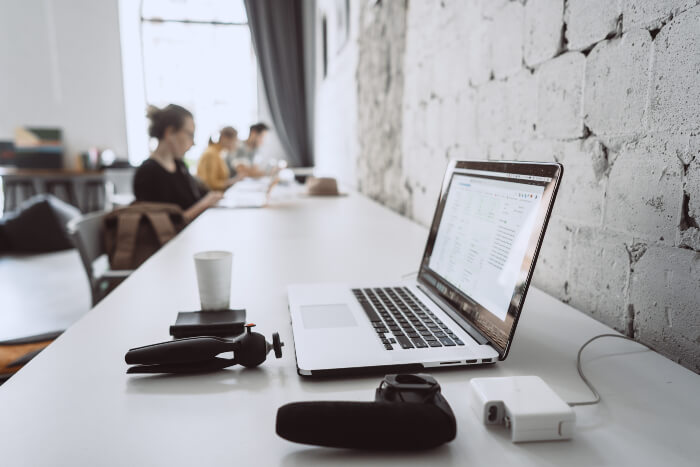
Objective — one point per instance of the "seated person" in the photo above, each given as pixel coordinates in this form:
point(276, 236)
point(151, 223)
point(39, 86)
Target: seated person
point(212, 168)
point(163, 177)
point(241, 161)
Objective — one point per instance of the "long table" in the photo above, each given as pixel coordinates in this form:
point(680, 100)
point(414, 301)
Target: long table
point(75, 405)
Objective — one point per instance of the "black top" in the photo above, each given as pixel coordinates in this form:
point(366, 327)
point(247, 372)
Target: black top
point(153, 183)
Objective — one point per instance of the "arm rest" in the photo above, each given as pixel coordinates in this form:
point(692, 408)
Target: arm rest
point(116, 273)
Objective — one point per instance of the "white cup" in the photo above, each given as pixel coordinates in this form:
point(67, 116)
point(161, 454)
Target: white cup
point(214, 279)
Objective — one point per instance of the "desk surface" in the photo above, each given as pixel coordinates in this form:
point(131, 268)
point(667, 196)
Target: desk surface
point(74, 404)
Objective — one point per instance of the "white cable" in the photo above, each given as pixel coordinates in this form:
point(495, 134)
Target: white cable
point(580, 371)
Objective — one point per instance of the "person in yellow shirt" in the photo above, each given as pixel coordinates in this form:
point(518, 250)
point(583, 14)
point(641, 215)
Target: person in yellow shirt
point(212, 169)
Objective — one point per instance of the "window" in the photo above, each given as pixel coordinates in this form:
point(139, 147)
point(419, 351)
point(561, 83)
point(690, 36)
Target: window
point(198, 54)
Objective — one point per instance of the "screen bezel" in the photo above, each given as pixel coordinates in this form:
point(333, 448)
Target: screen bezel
point(450, 295)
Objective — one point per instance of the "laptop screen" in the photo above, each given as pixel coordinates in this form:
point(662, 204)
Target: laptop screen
point(484, 240)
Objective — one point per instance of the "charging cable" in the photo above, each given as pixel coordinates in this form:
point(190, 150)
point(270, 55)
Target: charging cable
point(580, 371)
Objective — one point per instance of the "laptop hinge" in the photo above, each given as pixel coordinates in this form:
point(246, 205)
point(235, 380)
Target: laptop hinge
point(469, 329)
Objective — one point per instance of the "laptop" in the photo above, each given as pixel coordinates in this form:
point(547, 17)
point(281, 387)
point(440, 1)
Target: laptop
point(463, 307)
point(249, 193)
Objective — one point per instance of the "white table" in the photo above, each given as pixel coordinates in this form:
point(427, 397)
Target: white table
point(75, 405)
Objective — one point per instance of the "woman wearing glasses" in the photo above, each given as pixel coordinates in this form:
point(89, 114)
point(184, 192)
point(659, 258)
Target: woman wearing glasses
point(164, 177)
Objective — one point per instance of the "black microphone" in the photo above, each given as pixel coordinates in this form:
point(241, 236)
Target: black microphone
point(392, 422)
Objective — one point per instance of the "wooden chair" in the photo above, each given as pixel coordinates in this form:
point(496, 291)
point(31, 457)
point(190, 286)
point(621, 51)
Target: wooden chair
point(16, 353)
point(86, 232)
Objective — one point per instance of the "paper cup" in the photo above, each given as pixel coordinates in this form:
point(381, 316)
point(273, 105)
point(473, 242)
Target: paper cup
point(214, 279)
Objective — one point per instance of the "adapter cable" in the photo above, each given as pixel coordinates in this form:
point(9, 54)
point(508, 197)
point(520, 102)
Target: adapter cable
point(580, 371)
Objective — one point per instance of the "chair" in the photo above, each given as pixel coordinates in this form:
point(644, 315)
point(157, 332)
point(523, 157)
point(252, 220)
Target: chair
point(94, 195)
point(16, 353)
point(86, 233)
point(119, 183)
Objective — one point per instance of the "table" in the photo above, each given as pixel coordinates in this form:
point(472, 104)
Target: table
point(74, 404)
point(81, 188)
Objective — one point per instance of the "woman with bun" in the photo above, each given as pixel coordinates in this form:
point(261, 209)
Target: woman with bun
point(163, 177)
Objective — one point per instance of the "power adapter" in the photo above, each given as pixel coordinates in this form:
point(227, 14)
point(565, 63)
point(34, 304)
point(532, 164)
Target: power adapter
point(526, 405)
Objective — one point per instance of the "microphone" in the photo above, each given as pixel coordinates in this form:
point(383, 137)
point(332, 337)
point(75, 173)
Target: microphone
point(386, 424)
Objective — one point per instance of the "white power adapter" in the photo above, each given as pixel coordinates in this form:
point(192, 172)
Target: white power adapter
point(525, 404)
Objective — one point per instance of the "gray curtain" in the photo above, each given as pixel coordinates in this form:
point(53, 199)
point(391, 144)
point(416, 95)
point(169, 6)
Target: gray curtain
point(277, 30)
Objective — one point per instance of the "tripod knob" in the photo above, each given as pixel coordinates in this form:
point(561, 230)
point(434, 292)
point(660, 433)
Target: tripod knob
point(277, 345)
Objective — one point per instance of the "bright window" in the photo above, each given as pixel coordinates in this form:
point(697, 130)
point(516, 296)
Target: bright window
point(198, 54)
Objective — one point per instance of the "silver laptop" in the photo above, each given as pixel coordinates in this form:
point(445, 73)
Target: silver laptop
point(464, 305)
point(249, 193)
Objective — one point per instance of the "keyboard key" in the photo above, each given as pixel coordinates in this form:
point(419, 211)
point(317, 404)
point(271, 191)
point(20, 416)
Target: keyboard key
point(388, 347)
point(419, 343)
point(398, 311)
point(369, 311)
point(404, 342)
point(447, 342)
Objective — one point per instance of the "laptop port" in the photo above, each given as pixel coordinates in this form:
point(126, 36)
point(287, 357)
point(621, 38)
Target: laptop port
point(486, 360)
point(472, 361)
point(450, 363)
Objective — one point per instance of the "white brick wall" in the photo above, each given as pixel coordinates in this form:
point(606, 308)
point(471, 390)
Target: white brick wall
point(506, 36)
point(675, 88)
point(652, 14)
point(590, 21)
point(560, 96)
point(617, 81)
point(610, 88)
point(543, 30)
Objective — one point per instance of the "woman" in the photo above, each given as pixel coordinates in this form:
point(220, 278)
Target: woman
point(163, 177)
point(212, 168)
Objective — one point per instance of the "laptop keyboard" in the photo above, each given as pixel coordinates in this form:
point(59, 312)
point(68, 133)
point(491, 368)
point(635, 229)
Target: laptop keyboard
point(399, 318)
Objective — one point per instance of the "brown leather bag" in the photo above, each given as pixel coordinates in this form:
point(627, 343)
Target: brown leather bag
point(133, 233)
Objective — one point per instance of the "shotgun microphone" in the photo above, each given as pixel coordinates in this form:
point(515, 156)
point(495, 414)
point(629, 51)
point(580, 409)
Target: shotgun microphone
point(409, 413)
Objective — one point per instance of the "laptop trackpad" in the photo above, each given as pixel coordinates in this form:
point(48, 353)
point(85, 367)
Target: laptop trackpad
point(327, 316)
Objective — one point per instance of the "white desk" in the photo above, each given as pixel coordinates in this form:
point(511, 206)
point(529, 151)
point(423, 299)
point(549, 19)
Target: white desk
point(74, 404)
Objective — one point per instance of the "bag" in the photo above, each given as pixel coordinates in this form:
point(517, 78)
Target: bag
point(133, 233)
point(38, 225)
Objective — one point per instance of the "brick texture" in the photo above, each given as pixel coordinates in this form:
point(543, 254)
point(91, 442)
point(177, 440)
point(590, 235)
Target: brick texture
point(675, 90)
point(609, 88)
point(617, 81)
point(590, 21)
point(543, 30)
point(560, 96)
